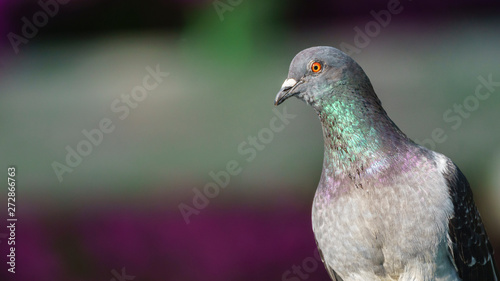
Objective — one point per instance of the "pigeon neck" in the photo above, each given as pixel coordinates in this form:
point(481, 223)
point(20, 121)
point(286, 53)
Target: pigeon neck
point(359, 136)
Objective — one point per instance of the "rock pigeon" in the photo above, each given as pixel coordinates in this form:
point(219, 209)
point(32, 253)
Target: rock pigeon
point(385, 208)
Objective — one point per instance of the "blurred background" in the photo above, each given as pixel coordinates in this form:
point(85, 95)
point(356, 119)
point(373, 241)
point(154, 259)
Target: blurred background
point(141, 130)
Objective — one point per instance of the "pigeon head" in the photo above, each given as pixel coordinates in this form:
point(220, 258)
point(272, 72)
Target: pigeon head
point(320, 73)
point(355, 126)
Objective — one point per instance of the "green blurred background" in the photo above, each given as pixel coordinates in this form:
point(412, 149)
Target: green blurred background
point(226, 61)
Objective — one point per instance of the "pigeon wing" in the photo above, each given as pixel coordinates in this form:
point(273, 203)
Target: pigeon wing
point(469, 247)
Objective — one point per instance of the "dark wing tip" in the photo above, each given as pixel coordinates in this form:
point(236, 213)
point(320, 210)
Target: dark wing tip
point(471, 251)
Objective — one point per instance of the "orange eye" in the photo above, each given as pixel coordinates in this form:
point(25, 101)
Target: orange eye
point(316, 67)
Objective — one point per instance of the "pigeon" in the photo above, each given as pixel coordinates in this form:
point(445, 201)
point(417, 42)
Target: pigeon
point(385, 207)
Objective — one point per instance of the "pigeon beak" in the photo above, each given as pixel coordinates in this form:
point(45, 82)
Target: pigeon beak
point(286, 90)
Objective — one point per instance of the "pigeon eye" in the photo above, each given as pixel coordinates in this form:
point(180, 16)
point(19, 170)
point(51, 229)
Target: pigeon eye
point(316, 67)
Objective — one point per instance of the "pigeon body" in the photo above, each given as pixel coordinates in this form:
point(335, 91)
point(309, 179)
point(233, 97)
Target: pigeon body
point(385, 208)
